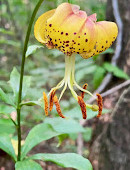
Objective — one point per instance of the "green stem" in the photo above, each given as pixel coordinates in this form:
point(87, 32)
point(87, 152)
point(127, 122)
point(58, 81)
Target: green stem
point(21, 77)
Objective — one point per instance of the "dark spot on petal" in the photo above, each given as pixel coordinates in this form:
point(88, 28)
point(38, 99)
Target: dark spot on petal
point(67, 45)
point(78, 36)
point(102, 46)
point(50, 25)
point(61, 33)
point(66, 33)
point(85, 33)
point(78, 43)
point(75, 33)
point(106, 41)
point(55, 40)
point(77, 52)
point(67, 41)
point(72, 40)
point(86, 40)
point(97, 50)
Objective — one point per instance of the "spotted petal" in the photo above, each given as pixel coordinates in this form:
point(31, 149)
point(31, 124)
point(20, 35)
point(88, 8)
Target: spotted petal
point(40, 26)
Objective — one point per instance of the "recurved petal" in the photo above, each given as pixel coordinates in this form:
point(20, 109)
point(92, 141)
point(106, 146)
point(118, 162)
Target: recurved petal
point(63, 27)
point(106, 35)
point(40, 26)
point(86, 39)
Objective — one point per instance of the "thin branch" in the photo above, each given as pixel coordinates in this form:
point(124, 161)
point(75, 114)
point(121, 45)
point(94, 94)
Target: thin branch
point(112, 90)
point(80, 144)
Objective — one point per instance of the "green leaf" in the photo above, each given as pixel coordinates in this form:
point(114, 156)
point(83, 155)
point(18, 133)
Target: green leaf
point(65, 125)
point(5, 98)
point(4, 31)
point(30, 103)
point(6, 110)
point(38, 134)
point(116, 71)
point(9, 42)
point(6, 126)
point(27, 165)
point(87, 135)
point(67, 160)
point(32, 49)
point(14, 82)
point(6, 145)
point(98, 76)
point(61, 139)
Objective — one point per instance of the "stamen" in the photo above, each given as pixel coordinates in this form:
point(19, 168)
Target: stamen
point(84, 87)
point(51, 100)
point(100, 105)
point(86, 91)
point(82, 106)
point(45, 103)
point(58, 107)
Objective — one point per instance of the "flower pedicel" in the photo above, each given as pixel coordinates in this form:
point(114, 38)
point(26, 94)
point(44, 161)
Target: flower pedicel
point(71, 31)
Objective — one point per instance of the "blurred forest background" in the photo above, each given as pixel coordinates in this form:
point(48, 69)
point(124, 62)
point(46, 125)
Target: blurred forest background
point(106, 140)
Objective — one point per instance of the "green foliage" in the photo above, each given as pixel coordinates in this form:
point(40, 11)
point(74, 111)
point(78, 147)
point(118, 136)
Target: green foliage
point(87, 135)
point(65, 125)
point(27, 165)
point(116, 71)
point(6, 98)
point(32, 49)
point(40, 133)
point(6, 126)
point(98, 76)
point(6, 145)
point(66, 160)
point(14, 82)
point(6, 110)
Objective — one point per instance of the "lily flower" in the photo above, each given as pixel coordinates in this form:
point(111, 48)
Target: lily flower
point(70, 30)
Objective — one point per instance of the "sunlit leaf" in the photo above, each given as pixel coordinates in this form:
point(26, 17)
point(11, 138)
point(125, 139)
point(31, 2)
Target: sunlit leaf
point(14, 82)
point(32, 49)
point(67, 160)
point(38, 134)
point(87, 135)
point(98, 76)
point(27, 165)
point(115, 70)
point(6, 145)
point(6, 126)
point(6, 98)
point(65, 125)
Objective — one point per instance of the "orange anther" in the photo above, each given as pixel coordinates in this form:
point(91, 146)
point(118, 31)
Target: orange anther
point(100, 105)
point(82, 106)
point(84, 87)
point(51, 100)
point(58, 107)
point(45, 103)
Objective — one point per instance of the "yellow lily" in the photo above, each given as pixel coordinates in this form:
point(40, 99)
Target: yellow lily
point(70, 30)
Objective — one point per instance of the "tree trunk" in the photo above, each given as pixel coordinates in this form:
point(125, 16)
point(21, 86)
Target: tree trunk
point(111, 150)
